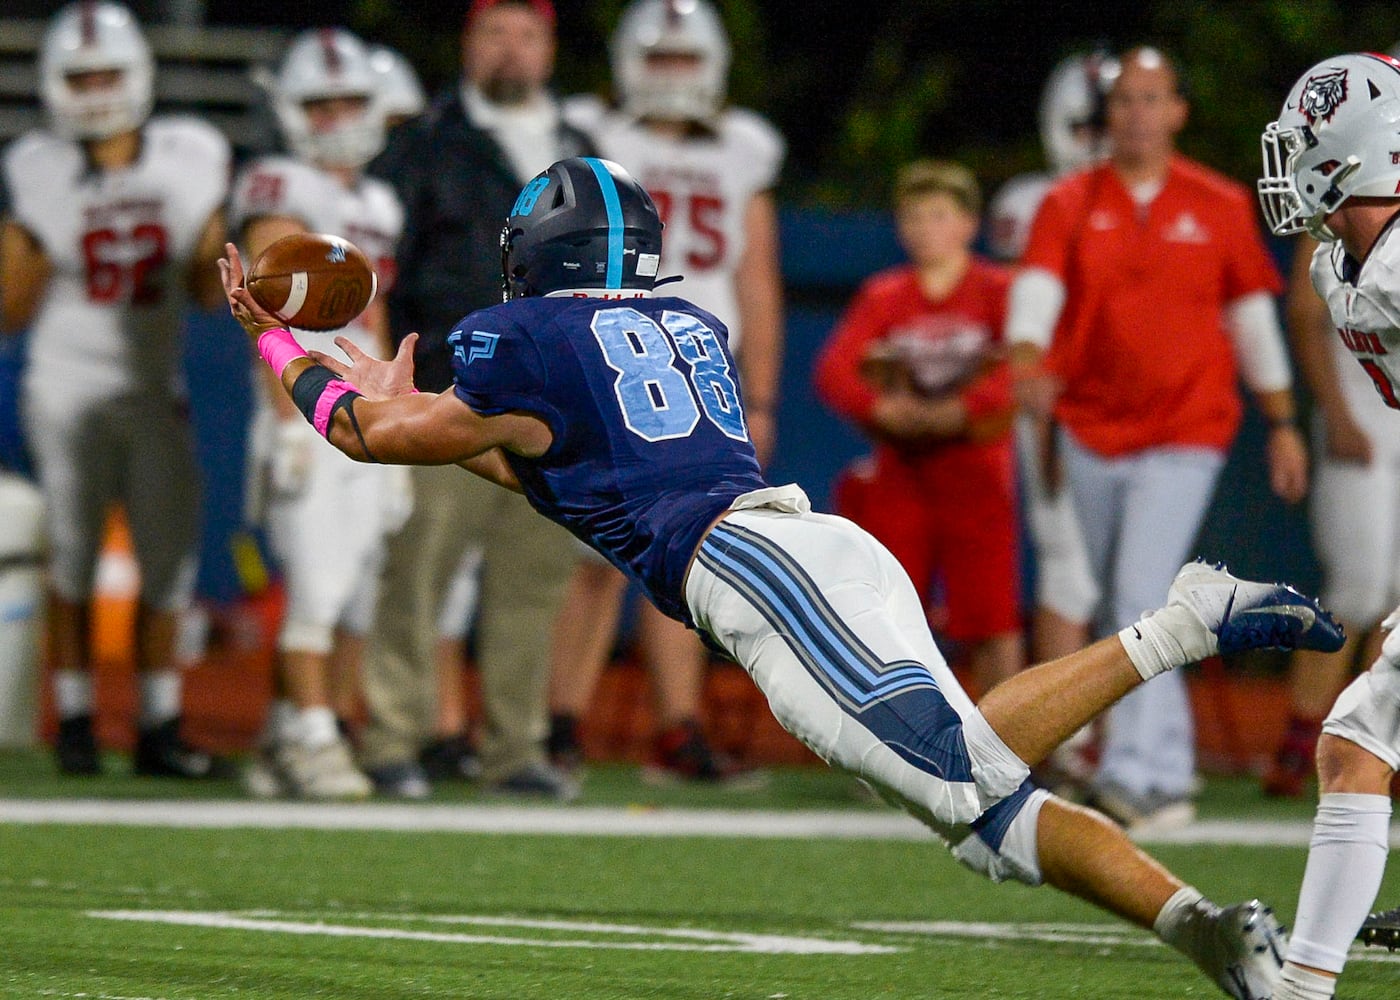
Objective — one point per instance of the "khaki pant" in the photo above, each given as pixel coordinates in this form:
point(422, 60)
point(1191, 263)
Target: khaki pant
point(527, 561)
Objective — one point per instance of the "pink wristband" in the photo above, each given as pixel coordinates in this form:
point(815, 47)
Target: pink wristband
point(279, 349)
point(325, 404)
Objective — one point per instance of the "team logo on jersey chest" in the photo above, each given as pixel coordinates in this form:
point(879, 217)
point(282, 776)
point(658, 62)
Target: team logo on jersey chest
point(1322, 96)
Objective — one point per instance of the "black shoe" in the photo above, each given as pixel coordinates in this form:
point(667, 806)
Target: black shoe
point(452, 758)
point(1382, 929)
point(161, 753)
point(564, 747)
point(76, 747)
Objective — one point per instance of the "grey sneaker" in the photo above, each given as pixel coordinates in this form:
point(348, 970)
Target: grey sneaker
point(1244, 955)
point(324, 772)
point(1142, 812)
point(1243, 614)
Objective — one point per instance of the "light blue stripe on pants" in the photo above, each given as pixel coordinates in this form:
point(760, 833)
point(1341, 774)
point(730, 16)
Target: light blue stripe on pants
point(1140, 514)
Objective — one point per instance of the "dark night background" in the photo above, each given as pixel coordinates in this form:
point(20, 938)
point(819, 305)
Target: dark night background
point(859, 88)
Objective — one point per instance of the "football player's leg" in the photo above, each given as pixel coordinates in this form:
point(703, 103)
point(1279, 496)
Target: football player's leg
point(78, 471)
point(830, 628)
point(1357, 756)
point(328, 539)
point(162, 501)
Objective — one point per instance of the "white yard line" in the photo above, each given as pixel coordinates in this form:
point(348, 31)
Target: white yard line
point(671, 938)
point(571, 821)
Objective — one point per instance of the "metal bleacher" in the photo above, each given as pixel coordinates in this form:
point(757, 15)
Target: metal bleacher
point(204, 71)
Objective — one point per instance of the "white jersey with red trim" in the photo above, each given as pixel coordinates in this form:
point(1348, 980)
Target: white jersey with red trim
point(1364, 304)
point(119, 243)
point(367, 213)
point(702, 185)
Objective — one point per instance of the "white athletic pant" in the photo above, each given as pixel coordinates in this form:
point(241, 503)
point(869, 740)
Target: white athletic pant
point(1140, 515)
point(1355, 513)
point(1065, 583)
point(830, 628)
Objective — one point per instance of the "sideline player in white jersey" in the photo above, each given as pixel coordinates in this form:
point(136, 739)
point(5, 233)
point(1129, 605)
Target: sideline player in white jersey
point(327, 516)
point(1067, 594)
point(1330, 167)
point(711, 170)
point(113, 219)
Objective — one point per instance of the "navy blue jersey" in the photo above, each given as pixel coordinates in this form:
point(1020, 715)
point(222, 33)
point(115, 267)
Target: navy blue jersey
point(650, 442)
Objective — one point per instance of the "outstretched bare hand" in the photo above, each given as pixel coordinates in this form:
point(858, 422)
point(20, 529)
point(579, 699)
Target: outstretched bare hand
point(373, 378)
point(245, 309)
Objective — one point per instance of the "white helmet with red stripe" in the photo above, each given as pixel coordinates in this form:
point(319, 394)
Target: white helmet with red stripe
point(1071, 111)
point(649, 85)
point(91, 38)
point(1334, 139)
point(325, 63)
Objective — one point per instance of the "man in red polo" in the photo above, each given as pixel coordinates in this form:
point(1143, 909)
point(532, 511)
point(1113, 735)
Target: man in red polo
point(1146, 292)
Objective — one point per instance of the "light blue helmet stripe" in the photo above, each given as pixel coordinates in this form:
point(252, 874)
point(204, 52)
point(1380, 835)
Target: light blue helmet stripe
point(614, 207)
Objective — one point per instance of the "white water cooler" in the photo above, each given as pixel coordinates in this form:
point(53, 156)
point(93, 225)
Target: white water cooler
point(21, 609)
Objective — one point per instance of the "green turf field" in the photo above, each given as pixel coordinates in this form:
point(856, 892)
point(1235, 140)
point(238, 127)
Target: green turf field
point(155, 913)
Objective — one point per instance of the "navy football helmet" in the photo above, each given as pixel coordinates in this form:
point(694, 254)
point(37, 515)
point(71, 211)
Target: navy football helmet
point(582, 224)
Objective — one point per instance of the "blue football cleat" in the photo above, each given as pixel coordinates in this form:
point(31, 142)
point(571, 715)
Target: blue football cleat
point(1243, 614)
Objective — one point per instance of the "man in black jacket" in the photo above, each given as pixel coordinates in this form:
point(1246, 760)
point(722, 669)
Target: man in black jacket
point(457, 170)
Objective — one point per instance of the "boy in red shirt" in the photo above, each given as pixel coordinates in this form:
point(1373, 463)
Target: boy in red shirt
point(917, 362)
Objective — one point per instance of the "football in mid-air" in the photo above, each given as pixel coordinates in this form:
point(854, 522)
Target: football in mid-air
point(313, 281)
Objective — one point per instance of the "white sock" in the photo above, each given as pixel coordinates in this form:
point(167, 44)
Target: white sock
point(1182, 920)
point(1346, 861)
point(1300, 984)
point(1165, 639)
point(72, 693)
point(160, 697)
point(316, 728)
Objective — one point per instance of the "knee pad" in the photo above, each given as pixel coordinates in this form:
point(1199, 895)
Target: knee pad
point(1002, 842)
